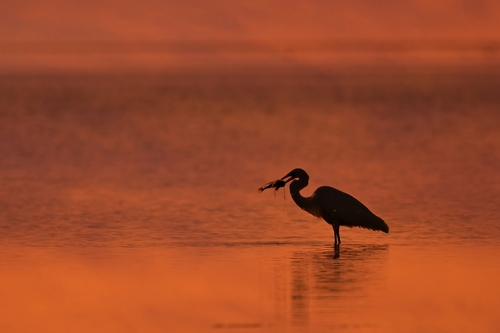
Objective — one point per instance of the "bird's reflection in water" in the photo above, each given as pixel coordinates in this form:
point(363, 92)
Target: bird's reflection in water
point(300, 289)
point(329, 281)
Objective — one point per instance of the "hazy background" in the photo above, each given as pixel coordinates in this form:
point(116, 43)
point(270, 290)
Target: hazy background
point(30, 20)
point(134, 136)
point(172, 35)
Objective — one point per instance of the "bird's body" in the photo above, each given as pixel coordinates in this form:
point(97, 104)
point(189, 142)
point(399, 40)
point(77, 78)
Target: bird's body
point(335, 207)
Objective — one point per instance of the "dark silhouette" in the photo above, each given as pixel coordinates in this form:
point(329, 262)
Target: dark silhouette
point(335, 207)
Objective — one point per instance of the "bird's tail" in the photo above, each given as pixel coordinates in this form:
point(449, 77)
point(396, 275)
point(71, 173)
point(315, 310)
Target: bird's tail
point(378, 224)
point(371, 221)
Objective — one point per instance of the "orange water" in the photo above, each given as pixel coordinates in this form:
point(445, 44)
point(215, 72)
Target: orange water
point(130, 203)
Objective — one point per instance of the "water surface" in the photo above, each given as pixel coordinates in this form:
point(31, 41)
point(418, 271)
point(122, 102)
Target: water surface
point(129, 203)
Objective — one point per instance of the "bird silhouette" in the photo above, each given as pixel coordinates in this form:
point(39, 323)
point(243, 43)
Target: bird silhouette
point(335, 207)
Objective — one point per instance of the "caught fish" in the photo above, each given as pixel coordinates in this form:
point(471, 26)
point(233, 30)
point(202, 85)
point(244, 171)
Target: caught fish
point(276, 184)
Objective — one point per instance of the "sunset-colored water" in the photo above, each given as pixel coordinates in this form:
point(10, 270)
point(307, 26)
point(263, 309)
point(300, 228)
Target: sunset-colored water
point(129, 203)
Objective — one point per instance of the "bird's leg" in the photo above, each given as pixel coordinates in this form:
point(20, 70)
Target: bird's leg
point(336, 234)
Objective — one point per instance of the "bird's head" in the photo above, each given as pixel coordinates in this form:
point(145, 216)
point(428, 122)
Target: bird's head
point(296, 174)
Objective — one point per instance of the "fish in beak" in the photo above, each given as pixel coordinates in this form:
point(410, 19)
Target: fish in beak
point(278, 183)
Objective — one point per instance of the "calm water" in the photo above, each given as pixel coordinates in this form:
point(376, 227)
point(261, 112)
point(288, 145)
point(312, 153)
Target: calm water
point(130, 204)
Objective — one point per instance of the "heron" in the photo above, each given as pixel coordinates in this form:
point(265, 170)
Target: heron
point(335, 207)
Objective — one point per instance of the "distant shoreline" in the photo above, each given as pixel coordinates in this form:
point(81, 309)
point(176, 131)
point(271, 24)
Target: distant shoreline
point(18, 57)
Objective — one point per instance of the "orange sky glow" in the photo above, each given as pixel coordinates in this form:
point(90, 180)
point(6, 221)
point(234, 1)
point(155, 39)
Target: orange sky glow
point(159, 20)
point(104, 34)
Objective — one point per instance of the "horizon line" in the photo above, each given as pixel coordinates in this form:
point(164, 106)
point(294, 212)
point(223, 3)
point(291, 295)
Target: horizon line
point(251, 45)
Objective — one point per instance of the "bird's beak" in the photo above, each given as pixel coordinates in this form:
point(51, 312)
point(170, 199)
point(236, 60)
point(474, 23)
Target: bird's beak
point(287, 178)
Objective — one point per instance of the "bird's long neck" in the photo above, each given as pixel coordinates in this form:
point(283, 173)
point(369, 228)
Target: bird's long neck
point(302, 202)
